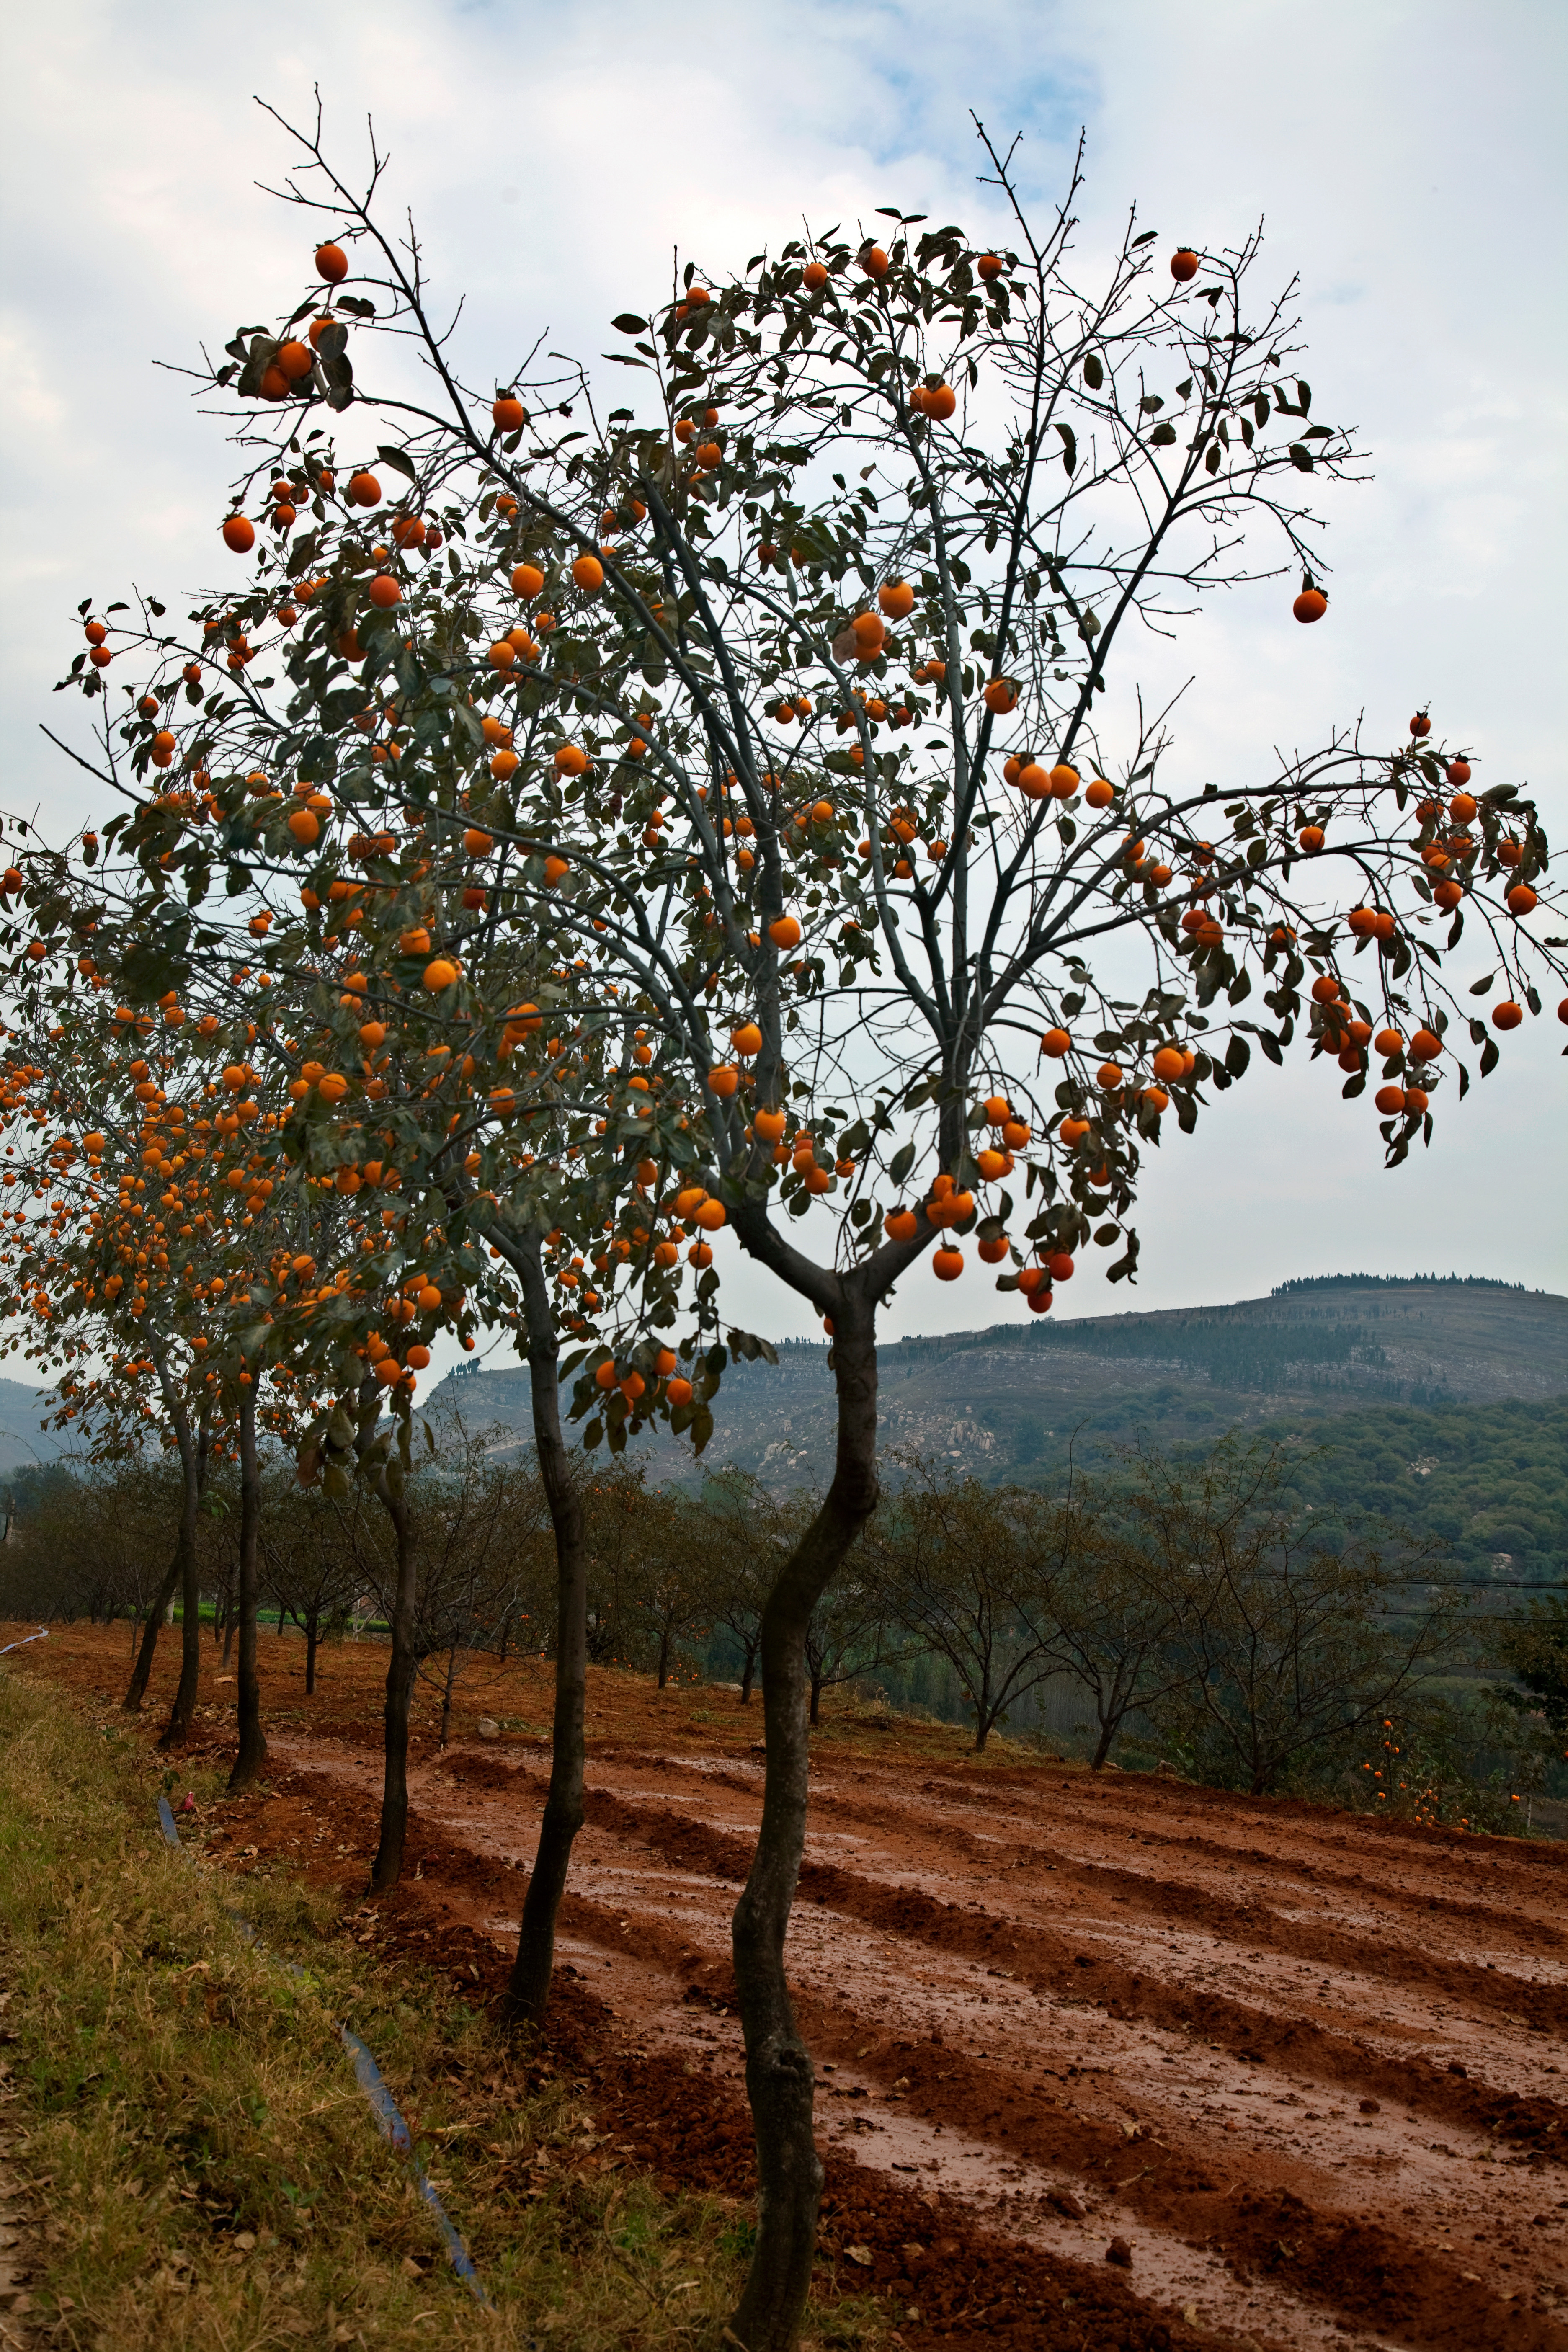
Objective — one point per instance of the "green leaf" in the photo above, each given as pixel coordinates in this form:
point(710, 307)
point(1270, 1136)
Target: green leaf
point(1093, 374)
point(629, 323)
point(397, 459)
point(1300, 457)
point(1164, 437)
point(1070, 446)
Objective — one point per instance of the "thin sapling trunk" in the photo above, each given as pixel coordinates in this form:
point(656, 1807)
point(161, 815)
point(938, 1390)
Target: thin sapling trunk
point(141, 1672)
point(177, 1731)
point(400, 1671)
point(528, 1990)
point(252, 1753)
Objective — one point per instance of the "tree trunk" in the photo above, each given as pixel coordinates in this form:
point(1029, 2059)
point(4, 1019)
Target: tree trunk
point(400, 1671)
point(985, 1715)
point(446, 1696)
point(252, 1753)
point(1108, 1731)
point(136, 1689)
point(779, 2075)
point(664, 1646)
point(528, 1990)
point(748, 1676)
point(227, 1635)
point(313, 1636)
point(193, 1462)
point(816, 1699)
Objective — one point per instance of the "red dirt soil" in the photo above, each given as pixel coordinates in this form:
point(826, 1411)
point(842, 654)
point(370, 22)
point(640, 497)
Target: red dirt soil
point(1104, 2061)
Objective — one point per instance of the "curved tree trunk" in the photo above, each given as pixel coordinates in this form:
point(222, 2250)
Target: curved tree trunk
point(193, 1462)
point(252, 1753)
point(779, 2073)
point(528, 1990)
point(313, 1636)
point(400, 1671)
point(136, 1689)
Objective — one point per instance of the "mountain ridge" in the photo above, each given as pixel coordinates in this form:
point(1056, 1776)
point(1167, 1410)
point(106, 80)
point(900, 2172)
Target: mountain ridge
point(1001, 1400)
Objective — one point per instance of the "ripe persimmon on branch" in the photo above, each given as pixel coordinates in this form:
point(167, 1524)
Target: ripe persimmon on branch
point(736, 808)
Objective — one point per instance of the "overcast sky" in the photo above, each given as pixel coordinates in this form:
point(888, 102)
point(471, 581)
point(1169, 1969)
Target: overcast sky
point(1402, 158)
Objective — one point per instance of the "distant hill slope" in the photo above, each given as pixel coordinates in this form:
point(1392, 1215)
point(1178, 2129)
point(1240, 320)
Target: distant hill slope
point(21, 1439)
point(1003, 1402)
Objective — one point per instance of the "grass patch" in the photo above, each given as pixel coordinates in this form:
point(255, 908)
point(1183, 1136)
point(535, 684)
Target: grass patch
point(206, 2170)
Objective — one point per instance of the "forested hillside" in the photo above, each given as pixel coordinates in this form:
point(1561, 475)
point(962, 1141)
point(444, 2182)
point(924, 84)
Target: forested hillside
point(21, 1439)
point(1493, 1481)
point(1007, 1402)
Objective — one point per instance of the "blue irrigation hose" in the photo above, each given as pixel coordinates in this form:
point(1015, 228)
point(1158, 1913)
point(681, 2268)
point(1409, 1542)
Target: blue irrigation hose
point(368, 2075)
point(373, 2083)
point(41, 1635)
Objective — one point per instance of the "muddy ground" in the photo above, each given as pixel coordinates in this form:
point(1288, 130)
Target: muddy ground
point(1104, 2061)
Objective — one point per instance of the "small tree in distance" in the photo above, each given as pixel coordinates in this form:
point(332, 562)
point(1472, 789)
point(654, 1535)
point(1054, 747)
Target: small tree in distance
point(737, 809)
point(308, 1569)
point(741, 1536)
point(967, 1570)
point(1292, 1637)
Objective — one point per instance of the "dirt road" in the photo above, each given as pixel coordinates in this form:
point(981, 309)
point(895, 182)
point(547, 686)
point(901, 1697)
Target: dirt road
point(1297, 2072)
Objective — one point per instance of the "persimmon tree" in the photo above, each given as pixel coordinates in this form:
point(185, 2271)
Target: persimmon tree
point(146, 1301)
point(84, 1289)
point(735, 808)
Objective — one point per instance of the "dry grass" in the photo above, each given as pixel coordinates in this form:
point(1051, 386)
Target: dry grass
point(210, 2178)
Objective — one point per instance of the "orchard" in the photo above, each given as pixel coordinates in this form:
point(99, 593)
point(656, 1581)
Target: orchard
point(575, 839)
